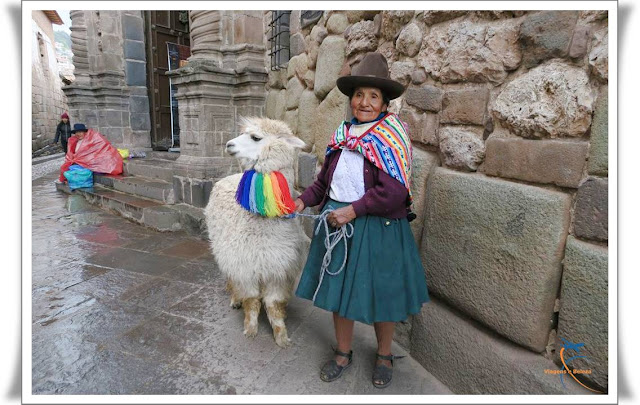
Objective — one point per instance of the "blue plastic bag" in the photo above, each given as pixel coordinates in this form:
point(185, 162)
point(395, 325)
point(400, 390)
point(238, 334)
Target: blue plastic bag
point(79, 177)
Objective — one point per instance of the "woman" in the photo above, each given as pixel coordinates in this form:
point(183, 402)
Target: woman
point(63, 131)
point(78, 133)
point(364, 182)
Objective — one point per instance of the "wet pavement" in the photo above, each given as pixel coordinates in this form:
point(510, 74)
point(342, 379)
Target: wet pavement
point(122, 309)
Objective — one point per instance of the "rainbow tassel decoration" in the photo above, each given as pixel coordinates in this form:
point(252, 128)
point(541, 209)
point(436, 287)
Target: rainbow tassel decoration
point(265, 194)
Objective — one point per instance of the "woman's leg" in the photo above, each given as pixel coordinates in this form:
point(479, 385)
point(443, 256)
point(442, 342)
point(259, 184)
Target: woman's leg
point(344, 336)
point(384, 334)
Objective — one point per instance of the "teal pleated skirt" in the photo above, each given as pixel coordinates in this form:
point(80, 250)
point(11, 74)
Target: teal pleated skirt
point(383, 279)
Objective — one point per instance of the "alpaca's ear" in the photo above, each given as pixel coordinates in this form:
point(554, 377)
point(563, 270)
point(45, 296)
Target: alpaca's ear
point(295, 142)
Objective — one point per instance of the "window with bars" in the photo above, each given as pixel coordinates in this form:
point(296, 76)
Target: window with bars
point(279, 38)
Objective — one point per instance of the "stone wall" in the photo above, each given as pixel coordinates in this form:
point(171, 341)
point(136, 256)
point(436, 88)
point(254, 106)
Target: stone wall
point(507, 111)
point(110, 91)
point(48, 101)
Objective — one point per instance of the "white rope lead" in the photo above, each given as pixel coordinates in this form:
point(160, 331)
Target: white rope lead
point(331, 240)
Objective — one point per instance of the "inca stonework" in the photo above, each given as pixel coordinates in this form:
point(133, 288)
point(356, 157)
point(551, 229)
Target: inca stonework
point(508, 114)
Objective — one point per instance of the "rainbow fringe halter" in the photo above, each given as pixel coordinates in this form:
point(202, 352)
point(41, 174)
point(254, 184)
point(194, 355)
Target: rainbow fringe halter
point(265, 194)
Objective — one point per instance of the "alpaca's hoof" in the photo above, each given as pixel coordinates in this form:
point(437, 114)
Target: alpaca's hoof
point(236, 304)
point(283, 340)
point(251, 332)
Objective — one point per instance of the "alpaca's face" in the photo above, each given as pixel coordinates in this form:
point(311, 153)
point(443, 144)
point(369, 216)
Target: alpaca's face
point(247, 146)
point(256, 134)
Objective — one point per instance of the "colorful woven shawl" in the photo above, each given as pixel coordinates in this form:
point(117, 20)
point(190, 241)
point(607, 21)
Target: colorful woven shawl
point(386, 144)
point(265, 194)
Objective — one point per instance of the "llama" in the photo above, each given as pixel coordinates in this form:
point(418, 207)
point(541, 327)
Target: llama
point(261, 257)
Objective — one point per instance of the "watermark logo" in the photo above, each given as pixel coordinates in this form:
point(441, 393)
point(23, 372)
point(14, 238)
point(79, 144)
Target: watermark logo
point(567, 370)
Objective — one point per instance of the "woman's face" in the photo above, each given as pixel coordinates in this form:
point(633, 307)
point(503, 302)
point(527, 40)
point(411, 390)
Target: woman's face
point(367, 103)
point(80, 134)
point(65, 120)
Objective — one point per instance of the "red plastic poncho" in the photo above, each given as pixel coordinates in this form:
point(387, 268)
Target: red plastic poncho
point(94, 153)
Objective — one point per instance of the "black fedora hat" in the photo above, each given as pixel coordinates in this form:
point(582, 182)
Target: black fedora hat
point(372, 71)
point(79, 128)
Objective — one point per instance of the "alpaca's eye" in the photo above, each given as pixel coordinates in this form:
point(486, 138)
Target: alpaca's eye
point(255, 138)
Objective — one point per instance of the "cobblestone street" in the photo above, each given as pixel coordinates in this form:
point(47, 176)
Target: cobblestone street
point(121, 309)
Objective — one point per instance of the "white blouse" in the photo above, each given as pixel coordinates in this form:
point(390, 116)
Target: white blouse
point(347, 183)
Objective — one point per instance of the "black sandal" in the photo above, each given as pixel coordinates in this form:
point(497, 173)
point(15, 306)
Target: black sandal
point(383, 373)
point(331, 370)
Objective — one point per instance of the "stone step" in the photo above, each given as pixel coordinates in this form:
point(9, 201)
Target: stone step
point(151, 213)
point(155, 154)
point(150, 167)
point(150, 188)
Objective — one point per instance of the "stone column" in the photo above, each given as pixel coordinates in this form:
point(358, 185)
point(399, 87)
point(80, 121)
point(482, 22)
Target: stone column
point(225, 78)
point(110, 93)
point(205, 28)
point(79, 46)
point(82, 103)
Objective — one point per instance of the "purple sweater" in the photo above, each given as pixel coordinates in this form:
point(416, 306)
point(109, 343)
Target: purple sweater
point(384, 196)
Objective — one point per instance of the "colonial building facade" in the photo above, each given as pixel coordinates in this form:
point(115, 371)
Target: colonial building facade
point(48, 101)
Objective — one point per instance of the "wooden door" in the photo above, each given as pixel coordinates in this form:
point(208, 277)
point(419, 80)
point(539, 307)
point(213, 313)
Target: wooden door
point(162, 26)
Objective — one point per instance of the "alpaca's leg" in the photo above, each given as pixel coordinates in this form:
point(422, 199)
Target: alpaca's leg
point(275, 300)
point(251, 311)
point(277, 313)
point(236, 302)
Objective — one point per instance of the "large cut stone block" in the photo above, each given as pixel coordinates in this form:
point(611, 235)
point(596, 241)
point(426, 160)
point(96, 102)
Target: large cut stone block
point(330, 60)
point(136, 73)
point(139, 104)
point(465, 106)
point(428, 98)
point(461, 148)
point(584, 310)
point(294, 90)
point(306, 173)
point(546, 35)
point(140, 121)
point(552, 100)
point(270, 104)
point(470, 359)
point(422, 166)
point(599, 55)
point(306, 115)
point(133, 28)
point(591, 220)
point(598, 154)
point(297, 44)
point(550, 162)
point(361, 37)
point(329, 114)
point(422, 127)
point(467, 51)
point(134, 50)
point(492, 249)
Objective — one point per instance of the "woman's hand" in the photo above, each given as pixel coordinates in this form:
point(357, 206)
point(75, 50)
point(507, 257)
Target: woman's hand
point(341, 216)
point(299, 205)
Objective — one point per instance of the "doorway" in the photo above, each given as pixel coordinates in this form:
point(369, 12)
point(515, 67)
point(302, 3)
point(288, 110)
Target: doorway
point(164, 27)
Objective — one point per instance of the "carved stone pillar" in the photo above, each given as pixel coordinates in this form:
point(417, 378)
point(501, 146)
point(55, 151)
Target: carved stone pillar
point(108, 88)
point(79, 46)
point(205, 27)
point(225, 78)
